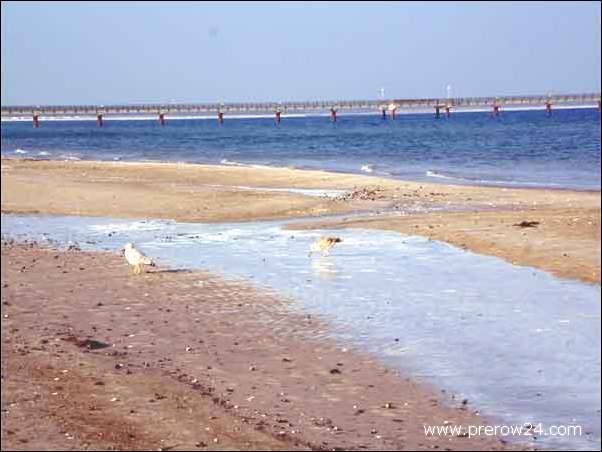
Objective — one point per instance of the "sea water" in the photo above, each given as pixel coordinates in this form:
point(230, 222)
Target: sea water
point(515, 149)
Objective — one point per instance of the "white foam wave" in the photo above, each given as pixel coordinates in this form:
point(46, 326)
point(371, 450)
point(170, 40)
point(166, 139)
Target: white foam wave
point(21, 151)
point(475, 180)
point(249, 165)
point(128, 227)
point(69, 157)
point(232, 163)
point(430, 173)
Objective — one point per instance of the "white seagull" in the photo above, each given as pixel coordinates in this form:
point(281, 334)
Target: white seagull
point(136, 258)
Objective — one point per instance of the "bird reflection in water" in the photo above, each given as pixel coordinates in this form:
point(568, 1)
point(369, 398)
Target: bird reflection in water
point(324, 267)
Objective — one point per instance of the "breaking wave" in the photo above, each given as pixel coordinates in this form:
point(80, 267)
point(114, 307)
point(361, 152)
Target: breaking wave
point(478, 180)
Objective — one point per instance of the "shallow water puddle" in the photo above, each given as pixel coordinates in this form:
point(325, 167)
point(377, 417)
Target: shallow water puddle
point(315, 192)
point(518, 343)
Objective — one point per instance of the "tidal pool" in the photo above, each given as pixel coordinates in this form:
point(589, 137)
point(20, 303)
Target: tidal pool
point(519, 344)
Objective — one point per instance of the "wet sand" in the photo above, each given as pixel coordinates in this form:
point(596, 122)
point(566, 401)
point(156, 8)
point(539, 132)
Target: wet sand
point(480, 219)
point(94, 357)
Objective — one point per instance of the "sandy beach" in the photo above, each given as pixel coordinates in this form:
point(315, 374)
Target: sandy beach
point(96, 359)
point(185, 360)
point(566, 242)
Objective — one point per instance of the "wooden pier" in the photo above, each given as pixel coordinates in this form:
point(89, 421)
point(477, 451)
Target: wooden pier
point(385, 107)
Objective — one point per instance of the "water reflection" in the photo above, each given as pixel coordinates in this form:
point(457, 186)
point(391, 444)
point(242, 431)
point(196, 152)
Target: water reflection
point(324, 267)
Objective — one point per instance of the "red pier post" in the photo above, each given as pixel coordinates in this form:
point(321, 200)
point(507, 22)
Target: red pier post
point(333, 114)
point(220, 117)
point(278, 117)
point(99, 119)
point(393, 112)
point(447, 111)
point(162, 119)
point(495, 111)
point(549, 108)
point(36, 120)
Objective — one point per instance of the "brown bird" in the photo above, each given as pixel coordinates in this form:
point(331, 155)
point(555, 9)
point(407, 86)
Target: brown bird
point(323, 245)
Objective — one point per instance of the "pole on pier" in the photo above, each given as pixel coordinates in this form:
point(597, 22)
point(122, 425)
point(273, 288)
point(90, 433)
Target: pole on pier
point(220, 117)
point(447, 111)
point(549, 108)
point(393, 112)
point(99, 119)
point(437, 111)
point(333, 114)
point(384, 113)
point(162, 118)
point(36, 120)
point(278, 116)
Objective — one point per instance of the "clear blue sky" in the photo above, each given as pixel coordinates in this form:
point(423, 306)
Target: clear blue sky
point(109, 52)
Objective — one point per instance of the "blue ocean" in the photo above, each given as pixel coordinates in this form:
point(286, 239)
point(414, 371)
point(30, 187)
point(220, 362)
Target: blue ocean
point(515, 149)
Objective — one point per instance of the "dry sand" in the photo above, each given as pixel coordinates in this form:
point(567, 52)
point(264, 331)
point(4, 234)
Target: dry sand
point(95, 358)
point(566, 242)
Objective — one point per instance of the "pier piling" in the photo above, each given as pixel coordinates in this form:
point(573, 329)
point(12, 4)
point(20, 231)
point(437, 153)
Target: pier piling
point(549, 108)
